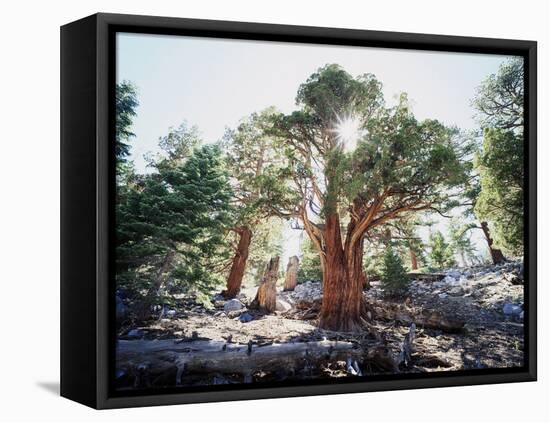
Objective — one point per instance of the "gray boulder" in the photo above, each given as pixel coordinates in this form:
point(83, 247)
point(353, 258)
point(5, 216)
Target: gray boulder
point(456, 291)
point(135, 333)
point(245, 318)
point(512, 309)
point(282, 305)
point(232, 305)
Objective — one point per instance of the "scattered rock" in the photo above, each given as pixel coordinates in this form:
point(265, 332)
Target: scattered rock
point(232, 305)
point(234, 314)
point(219, 303)
point(282, 305)
point(135, 333)
point(448, 280)
point(512, 309)
point(456, 291)
point(308, 290)
point(218, 298)
point(245, 318)
point(455, 274)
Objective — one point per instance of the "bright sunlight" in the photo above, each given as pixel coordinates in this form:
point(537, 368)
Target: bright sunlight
point(348, 131)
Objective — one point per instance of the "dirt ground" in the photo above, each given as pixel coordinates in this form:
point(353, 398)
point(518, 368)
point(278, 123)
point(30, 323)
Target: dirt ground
point(487, 300)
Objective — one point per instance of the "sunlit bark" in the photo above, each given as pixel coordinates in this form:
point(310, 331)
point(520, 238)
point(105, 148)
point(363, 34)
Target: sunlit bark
point(496, 254)
point(238, 267)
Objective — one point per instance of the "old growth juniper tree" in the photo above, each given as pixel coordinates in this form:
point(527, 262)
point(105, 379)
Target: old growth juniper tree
point(357, 164)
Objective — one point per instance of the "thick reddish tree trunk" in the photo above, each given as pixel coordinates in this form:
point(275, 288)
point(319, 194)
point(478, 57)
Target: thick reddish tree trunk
point(238, 266)
point(355, 264)
point(414, 260)
point(291, 273)
point(496, 254)
point(343, 304)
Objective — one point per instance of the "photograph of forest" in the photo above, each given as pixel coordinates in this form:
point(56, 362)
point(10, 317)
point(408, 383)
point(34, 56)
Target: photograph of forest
point(292, 212)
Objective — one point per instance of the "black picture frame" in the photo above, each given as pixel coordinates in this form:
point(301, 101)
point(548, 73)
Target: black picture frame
point(87, 199)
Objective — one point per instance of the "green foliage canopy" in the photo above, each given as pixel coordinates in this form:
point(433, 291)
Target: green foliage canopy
point(258, 171)
point(500, 97)
point(500, 162)
point(501, 168)
point(399, 165)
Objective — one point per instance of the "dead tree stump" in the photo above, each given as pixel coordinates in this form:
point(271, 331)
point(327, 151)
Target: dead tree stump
point(266, 297)
point(291, 273)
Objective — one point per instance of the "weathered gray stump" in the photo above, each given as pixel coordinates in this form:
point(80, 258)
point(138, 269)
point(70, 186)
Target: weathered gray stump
point(266, 297)
point(291, 273)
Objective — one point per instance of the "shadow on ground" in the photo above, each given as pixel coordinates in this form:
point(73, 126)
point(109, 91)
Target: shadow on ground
point(51, 387)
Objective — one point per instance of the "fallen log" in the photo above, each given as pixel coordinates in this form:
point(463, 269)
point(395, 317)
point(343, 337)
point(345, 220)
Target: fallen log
point(429, 319)
point(146, 360)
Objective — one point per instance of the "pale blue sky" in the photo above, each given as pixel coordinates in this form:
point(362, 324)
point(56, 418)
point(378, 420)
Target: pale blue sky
point(212, 83)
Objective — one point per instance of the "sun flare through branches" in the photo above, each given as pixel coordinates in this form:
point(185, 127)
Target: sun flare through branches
point(348, 131)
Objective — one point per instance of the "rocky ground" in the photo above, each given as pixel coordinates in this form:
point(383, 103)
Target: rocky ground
point(488, 299)
point(464, 318)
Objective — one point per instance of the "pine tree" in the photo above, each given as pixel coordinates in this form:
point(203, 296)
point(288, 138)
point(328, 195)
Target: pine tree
point(394, 278)
point(126, 104)
point(441, 253)
point(171, 226)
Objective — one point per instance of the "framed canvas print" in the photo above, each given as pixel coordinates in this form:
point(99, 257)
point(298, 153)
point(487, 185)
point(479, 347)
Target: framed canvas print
point(255, 211)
